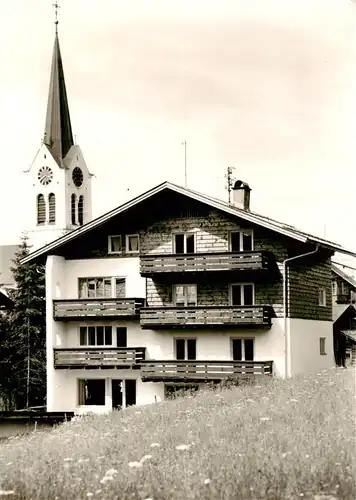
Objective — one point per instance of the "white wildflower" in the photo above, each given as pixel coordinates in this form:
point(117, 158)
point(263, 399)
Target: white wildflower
point(182, 447)
point(264, 419)
point(111, 472)
point(4, 493)
point(135, 464)
point(155, 445)
point(68, 459)
point(106, 479)
point(144, 458)
point(206, 481)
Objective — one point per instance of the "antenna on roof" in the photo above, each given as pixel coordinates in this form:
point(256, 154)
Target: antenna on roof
point(184, 143)
point(229, 181)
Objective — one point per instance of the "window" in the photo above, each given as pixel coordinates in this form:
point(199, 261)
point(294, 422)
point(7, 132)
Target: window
point(95, 335)
point(92, 288)
point(41, 210)
point(322, 343)
point(241, 241)
point(242, 294)
point(322, 297)
point(52, 208)
point(115, 244)
point(121, 336)
point(120, 243)
point(171, 391)
point(334, 288)
point(242, 349)
point(186, 349)
point(73, 199)
point(184, 243)
point(344, 289)
point(81, 210)
point(132, 243)
point(185, 295)
point(91, 391)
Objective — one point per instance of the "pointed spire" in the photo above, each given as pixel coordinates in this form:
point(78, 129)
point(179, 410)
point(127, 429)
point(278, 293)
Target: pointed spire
point(58, 134)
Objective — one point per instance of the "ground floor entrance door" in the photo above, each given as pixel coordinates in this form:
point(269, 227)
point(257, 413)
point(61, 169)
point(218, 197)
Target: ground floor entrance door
point(130, 392)
point(116, 386)
point(123, 393)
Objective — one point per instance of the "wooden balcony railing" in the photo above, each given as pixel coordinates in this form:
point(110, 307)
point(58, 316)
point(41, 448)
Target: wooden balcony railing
point(98, 357)
point(96, 308)
point(206, 262)
point(205, 316)
point(165, 371)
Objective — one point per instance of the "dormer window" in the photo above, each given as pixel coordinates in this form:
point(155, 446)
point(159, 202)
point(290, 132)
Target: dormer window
point(241, 241)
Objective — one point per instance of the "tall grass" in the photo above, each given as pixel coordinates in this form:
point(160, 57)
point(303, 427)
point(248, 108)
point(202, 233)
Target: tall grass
point(274, 440)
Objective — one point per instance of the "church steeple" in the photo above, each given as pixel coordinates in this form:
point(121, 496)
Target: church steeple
point(58, 134)
point(59, 178)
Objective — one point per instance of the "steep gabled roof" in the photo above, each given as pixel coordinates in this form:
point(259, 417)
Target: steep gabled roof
point(249, 216)
point(344, 276)
point(58, 134)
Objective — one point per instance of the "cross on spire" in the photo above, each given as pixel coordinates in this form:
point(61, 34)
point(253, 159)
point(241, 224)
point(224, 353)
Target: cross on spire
point(56, 7)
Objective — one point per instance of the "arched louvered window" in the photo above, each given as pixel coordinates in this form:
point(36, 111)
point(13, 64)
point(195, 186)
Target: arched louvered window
point(41, 209)
point(73, 208)
point(81, 210)
point(52, 208)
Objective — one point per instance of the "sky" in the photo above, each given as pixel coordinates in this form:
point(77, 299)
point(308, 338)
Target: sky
point(265, 86)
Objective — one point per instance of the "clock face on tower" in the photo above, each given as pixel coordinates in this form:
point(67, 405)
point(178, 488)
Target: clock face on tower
point(45, 175)
point(77, 176)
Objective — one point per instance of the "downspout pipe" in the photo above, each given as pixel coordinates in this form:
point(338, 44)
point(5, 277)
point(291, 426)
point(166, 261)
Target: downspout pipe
point(287, 350)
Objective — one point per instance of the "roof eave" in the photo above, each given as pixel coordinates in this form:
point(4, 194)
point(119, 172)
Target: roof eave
point(294, 234)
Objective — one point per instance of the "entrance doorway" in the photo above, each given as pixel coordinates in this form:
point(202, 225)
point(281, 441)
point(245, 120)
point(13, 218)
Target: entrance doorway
point(123, 393)
point(116, 388)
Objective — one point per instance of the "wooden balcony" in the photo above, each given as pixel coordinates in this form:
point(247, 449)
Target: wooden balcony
point(73, 309)
point(200, 371)
point(204, 262)
point(99, 357)
point(205, 316)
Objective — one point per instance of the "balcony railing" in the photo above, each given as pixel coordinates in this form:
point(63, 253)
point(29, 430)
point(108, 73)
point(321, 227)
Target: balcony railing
point(96, 308)
point(99, 357)
point(205, 316)
point(165, 371)
point(204, 262)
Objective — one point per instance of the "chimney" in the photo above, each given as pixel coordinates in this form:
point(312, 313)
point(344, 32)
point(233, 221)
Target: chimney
point(241, 195)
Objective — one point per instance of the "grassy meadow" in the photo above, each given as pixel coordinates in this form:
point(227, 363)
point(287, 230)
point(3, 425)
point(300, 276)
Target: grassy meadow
point(273, 440)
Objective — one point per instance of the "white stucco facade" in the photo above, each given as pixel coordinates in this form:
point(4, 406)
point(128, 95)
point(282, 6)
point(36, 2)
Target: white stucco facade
point(306, 356)
point(310, 341)
point(211, 344)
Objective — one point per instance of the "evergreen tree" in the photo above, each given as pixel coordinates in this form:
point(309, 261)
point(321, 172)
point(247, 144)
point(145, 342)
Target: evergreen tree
point(6, 399)
point(25, 337)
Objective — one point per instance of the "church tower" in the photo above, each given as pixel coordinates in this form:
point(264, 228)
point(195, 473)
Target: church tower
point(59, 178)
